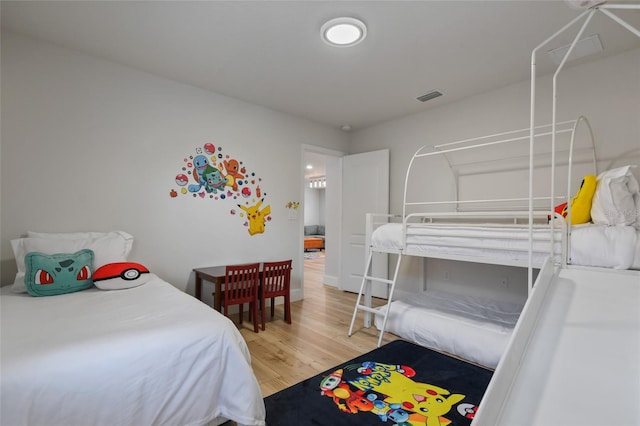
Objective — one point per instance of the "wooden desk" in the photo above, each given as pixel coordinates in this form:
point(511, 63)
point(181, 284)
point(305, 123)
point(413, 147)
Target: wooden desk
point(214, 274)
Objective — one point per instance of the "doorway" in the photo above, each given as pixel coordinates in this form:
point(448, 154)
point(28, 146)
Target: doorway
point(321, 204)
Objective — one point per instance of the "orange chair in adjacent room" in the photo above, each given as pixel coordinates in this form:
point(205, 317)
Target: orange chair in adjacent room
point(241, 286)
point(276, 281)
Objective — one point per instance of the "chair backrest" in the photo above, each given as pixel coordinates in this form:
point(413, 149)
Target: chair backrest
point(241, 283)
point(276, 277)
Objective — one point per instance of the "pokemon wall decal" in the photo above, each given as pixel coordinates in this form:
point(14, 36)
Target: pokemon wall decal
point(292, 205)
point(257, 218)
point(211, 174)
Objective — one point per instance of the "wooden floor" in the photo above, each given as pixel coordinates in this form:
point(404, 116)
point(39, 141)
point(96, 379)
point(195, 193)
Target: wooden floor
point(317, 340)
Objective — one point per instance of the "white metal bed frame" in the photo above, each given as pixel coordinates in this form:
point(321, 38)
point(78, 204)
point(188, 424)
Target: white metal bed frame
point(514, 215)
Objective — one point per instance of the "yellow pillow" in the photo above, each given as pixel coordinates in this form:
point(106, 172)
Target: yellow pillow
point(581, 203)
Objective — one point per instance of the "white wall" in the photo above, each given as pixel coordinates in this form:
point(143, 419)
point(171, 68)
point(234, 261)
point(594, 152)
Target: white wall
point(91, 145)
point(606, 91)
point(314, 206)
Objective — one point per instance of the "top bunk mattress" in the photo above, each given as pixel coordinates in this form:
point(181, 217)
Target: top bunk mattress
point(487, 243)
point(615, 247)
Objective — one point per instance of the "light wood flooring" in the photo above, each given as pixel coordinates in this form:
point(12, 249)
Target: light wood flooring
point(317, 340)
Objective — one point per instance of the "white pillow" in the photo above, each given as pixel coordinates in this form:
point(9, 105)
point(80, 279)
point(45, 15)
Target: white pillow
point(109, 248)
point(617, 198)
point(67, 235)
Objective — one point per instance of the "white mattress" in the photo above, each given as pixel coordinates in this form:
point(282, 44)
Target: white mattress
point(149, 355)
point(592, 245)
point(507, 245)
point(616, 247)
point(477, 329)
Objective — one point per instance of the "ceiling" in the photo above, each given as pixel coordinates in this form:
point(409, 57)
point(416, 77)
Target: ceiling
point(270, 52)
point(318, 165)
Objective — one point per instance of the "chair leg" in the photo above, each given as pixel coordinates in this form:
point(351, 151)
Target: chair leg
point(262, 314)
point(241, 310)
point(254, 307)
point(273, 306)
point(287, 309)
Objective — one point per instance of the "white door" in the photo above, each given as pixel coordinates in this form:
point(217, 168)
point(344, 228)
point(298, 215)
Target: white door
point(365, 189)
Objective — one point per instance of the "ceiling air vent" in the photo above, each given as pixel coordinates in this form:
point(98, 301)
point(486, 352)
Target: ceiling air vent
point(428, 96)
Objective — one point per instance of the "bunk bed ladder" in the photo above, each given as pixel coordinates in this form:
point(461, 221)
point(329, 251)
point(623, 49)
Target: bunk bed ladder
point(367, 279)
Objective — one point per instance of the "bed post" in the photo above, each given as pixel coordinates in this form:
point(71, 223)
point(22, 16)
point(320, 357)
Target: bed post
point(532, 125)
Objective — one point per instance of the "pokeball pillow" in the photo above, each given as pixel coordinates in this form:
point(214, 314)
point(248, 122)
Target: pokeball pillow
point(120, 275)
point(60, 273)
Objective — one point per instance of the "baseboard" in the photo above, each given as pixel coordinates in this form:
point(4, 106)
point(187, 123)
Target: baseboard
point(296, 294)
point(331, 280)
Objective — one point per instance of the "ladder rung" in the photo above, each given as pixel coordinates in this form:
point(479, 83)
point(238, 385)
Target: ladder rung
point(380, 280)
point(368, 309)
point(384, 310)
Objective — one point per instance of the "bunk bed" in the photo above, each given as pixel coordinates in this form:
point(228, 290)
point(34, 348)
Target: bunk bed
point(518, 228)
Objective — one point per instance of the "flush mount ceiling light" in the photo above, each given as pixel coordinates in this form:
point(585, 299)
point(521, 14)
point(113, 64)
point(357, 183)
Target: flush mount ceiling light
point(343, 31)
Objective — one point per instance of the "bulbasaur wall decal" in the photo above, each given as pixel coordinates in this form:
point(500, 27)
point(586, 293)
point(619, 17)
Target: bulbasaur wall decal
point(210, 174)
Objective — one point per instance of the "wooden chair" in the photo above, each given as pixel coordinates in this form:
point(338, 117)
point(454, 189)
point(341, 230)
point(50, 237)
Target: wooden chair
point(276, 281)
point(241, 284)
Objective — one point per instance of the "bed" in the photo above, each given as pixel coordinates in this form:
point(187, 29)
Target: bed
point(523, 228)
point(519, 223)
point(508, 229)
point(603, 246)
point(140, 355)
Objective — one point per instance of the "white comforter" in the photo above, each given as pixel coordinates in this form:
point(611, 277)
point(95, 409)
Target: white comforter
point(150, 355)
point(475, 328)
point(510, 244)
point(615, 247)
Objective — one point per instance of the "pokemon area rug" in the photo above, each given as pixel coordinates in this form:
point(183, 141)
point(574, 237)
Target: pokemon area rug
point(399, 384)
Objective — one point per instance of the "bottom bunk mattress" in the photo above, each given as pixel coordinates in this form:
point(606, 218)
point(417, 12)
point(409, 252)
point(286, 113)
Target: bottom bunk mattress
point(474, 328)
point(140, 356)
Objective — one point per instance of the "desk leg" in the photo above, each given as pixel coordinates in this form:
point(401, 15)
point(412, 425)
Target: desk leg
point(198, 286)
point(217, 296)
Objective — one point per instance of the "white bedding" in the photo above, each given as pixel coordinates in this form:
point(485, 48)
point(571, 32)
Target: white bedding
point(616, 247)
point(501, 245)
point(477, 329)
point(591, 245)
point(150, 355)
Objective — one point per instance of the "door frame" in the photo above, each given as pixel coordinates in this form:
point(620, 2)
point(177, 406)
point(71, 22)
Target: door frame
point(334, 253)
